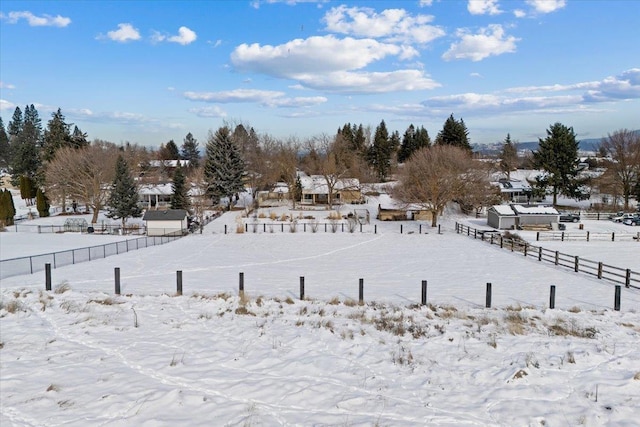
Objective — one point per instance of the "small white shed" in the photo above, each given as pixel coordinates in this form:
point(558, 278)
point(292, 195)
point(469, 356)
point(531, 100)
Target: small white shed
point(171, 222)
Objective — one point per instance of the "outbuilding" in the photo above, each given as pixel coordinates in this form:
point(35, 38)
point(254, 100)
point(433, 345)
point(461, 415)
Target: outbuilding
point(170, 222)
point(505, 217)
point(502, 217)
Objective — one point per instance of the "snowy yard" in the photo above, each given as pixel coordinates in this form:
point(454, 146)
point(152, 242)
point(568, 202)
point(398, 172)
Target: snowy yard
point(88, 357)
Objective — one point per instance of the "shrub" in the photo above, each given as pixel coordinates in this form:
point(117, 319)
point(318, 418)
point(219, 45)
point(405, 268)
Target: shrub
point(62, 288)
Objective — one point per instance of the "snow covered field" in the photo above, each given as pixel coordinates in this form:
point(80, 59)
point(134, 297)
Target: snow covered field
point(83, 356)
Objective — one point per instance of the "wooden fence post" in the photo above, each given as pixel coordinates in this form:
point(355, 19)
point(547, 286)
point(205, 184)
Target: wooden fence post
point(241, 283)
point(525, 249)
point(537, 236)
point(616, 300)
point(116, 273)
point(400, 228)
point(375, 229)
point(587, 236)
point(423, 300)
point(439, 229)
point(627, 279)
point(540, 253)
point(488, 296)
point(47, 277)
point(361, 291)
point(613, 237)
point(600, 270)
point(576, 264)
point(225, 229)
point(552, 297)
point(179, 282)
point(557, 257)
point(301, 287)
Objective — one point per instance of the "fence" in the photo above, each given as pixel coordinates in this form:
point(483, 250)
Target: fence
point(600, 270)
point(32, 264)
point(97, 229)
point(586, 236)
point(361, 300)
point(336, 226)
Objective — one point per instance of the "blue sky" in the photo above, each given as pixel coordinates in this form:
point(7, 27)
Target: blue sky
point(148, 72)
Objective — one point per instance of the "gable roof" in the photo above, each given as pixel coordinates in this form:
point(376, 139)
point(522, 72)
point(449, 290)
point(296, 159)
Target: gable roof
point(512, 210)
point(168, 215)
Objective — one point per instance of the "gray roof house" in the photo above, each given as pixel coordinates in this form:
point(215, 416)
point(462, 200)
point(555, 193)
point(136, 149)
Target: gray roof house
point(170, 222)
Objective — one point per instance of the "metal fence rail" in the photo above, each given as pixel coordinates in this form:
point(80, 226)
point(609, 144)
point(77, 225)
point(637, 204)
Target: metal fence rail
point(35, 263)
point(627, 277)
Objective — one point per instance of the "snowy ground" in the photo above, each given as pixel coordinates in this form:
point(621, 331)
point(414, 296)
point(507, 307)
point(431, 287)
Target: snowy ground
point(84, 356)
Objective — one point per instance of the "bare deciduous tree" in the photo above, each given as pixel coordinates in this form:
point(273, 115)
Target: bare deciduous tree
point(83, 174)
point(434, 177)
point(623, 170)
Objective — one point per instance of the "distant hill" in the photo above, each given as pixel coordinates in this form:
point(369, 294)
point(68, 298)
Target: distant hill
point(588, 144)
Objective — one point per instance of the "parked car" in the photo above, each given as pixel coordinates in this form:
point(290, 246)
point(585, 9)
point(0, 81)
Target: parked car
point(632, 221)
point(621, 217)
point(569, 217)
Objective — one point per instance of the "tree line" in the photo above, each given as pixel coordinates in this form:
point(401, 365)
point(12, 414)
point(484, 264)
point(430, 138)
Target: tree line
point(61, 164)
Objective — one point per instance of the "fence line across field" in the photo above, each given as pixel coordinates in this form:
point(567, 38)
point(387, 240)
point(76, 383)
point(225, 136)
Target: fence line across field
point(34, 263)
point(361, 299)
point(586, 236)
point(625, 277)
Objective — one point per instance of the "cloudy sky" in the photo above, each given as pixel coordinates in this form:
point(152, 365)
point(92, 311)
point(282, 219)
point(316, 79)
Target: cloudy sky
point(148, 72)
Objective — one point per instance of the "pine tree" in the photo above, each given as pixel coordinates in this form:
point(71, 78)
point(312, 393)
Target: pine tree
point(508, 156)
point(454, 132)
point(381, 152)
point(25, 160)
point(42, 204)
point(56, 135)
point(169, 151)
point(5, 149)
point(123, 200)
point(14, 129)
point(557, 154)
point(78, 138)
point(179, 197)
point(190, 151)
point(224, 167)
point(413, 140)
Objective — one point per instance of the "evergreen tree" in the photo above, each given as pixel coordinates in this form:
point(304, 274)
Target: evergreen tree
point(359, 139)
point(413, 140)
point(42, 204)
point(78, 138)
point(508, 156)
point(381, 151)
point(28, 189)
point(14, 129)
point(5, 149)
point(190, 150)
point(56, 135)
point(25, 144)
point(169, 151)
point(123, 200)
point(180, 197)
point(7, 208)
point(224, 167)
point(454, 132)
point(557, 154)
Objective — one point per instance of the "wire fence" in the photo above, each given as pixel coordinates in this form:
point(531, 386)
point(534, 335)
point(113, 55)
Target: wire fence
point(35, 263)
point(625, 277)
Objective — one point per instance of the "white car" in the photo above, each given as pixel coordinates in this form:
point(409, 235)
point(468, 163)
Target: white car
point(623, 217)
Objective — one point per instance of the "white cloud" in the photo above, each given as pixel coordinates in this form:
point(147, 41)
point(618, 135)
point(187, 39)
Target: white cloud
point(36, 21)
point(4, 85)
point(519, 13)
point(390, 24)
point(185, 36)
point(425, 3)
point(478, 75)
point(329, 63)
point(208, 112)
point(546, 6)
point(263, 97)
point(489, 41)
point(256, 3)
point(124, 33)
point(215, 43)
point(579, 96)
point(6, 105)
point(483, 7)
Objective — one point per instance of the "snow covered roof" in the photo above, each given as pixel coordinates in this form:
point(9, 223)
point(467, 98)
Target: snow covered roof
point(513, 210)
point(168, 163)
point(503, 210)
point(317, 184)
point(167, 215)
point(535, 210)
point(153, 189)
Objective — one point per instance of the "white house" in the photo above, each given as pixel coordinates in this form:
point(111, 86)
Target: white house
point(170, 222)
